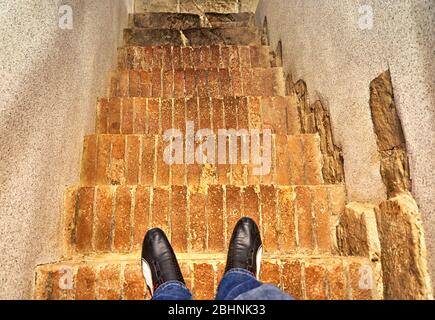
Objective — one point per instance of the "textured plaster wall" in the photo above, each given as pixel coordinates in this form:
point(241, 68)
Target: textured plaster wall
point(324, 45)
point(49, 81)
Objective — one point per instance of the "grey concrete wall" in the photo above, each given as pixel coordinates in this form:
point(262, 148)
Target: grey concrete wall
point(324, 45)
point(49, 81)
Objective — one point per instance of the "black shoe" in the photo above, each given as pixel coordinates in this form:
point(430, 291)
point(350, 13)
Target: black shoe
point(159, 263)
point(246, 248)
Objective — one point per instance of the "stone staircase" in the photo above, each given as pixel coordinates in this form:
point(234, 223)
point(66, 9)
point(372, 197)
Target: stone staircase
point(210, 69)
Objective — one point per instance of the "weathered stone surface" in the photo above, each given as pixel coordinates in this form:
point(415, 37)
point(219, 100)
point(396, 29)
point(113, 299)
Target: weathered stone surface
point(196, 36)
point(234, 20)
point(305, 110)
point(391, 141)
point(181, 21)
point(153, 37)
point(156, 6)
point(403, 249)
point(120, 277)
point(386, 121)
point(333, 162)
point(164, 20)
point(248, 5)
point(228, 36)
point(195, 6)
point(315, 118)
point(357, 233)
point(395, 171)
point(203, 6)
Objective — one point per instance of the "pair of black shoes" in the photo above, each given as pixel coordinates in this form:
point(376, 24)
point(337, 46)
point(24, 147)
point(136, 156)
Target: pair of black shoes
point(160, 265)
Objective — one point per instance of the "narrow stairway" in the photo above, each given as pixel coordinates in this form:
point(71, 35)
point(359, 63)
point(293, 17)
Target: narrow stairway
point(212, 71)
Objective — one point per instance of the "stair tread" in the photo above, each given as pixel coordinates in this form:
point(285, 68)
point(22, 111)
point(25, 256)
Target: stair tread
point(122, 159)
point(121, 278)
point(197, 57)
point(189, 82)
point(124, 115)
point(115, 218)
point(196, 256)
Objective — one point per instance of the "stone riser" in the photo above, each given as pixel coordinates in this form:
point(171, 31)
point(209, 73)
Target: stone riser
point(215, 83)
point(203, 57)
point(139, 159)
point(304, 278)
point(155, 116)
point(182, 21)
point(107, 219)
point(244, 36)
point(195, 6)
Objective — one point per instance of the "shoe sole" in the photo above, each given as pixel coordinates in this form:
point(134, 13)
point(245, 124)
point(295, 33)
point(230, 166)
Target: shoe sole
point(146, 271)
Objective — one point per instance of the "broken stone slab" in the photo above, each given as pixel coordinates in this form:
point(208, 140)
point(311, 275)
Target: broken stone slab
point(357, 232)
point(403, 249)
point(333, 163)
point(357, 235)
point(395, 171)
point(193, 37)
point(387, 125)
point(390, 138)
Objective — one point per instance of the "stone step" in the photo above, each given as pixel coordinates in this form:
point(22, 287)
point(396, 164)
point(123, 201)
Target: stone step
point(165, 20)
point(196, 6)
point(244, 36)
point(183, 21)
point(114, 219)
point(156, 115)
point(202, 57)
point(187, 83)
point(120, 278)
point(141, 159)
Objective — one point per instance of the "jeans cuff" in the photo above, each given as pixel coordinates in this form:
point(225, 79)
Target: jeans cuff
point(174, 283)
point(241, 271)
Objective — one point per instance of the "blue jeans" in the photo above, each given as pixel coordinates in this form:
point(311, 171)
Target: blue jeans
point(237, 284)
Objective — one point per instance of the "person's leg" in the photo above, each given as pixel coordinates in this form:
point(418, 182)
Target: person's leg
point(240, 281)
point(236, 282)
point(161, 269)
point(172, 290)
point(240, 284)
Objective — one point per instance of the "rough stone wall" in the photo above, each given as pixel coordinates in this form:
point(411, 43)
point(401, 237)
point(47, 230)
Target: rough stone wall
point(324, 45)
point(49, 81)
point(401, 234)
